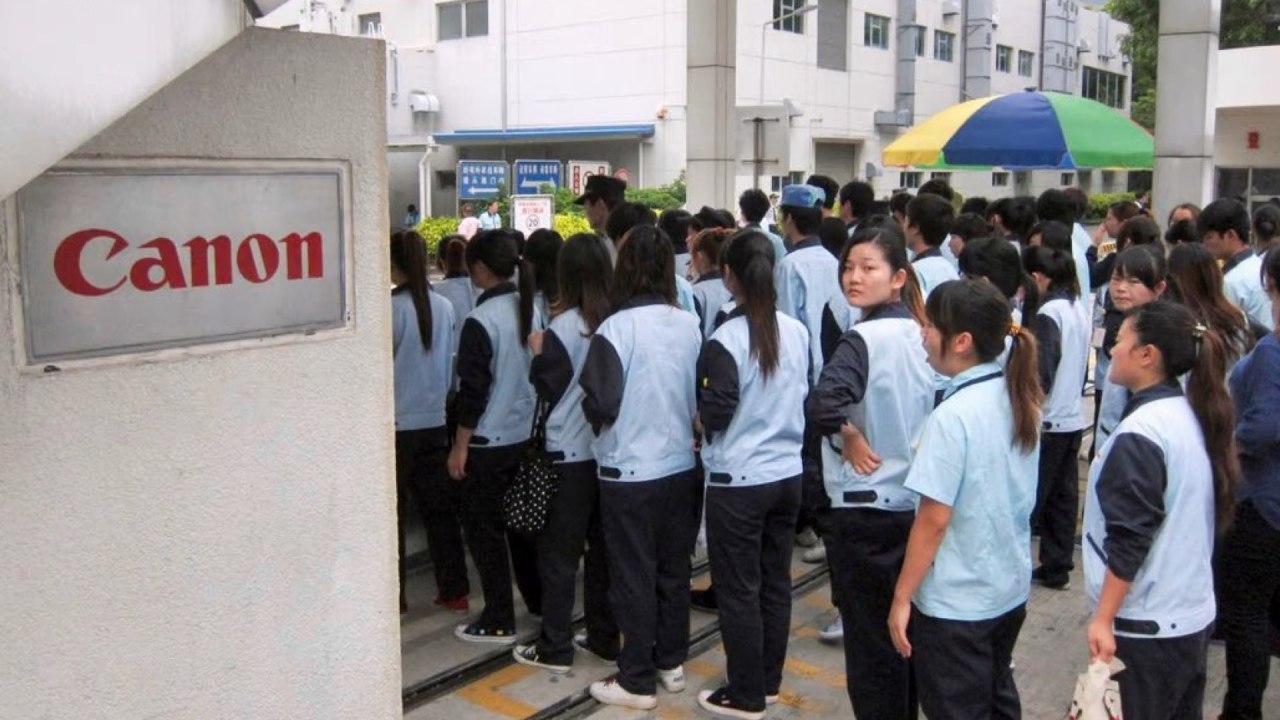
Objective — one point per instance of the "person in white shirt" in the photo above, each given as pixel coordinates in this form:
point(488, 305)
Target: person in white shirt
point(928, 221)
point(411, 216)
point(1224, 229)
point(490, 219)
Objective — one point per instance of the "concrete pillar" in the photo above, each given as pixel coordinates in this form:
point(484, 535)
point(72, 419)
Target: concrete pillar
point(1186, 102)
point(712, 95)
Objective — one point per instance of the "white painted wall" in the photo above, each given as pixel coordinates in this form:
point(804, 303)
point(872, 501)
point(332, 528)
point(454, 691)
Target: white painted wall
point(53, 102)
point(581, 62)
point(210, 533)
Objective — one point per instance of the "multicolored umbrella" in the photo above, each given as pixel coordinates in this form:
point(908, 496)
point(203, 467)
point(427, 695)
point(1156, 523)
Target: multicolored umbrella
point(1025, 131)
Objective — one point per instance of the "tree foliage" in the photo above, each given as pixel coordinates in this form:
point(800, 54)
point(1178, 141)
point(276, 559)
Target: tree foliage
point(1245, 23)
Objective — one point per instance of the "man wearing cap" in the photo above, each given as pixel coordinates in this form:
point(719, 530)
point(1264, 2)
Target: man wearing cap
point(601, 195)
point(808, 282)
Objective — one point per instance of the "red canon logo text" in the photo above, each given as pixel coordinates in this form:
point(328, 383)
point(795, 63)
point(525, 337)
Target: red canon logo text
point(209, 261)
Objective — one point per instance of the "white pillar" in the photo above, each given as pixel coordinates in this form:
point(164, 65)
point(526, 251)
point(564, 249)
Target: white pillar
point(1186, 102)
point(712, 95)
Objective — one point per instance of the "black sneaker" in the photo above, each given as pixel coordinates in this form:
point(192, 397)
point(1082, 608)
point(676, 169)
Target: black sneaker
point(704, 600)
point(1053, 582)
point(717, 702)
point(478, 633)
point(528, 655)
point(583, 643)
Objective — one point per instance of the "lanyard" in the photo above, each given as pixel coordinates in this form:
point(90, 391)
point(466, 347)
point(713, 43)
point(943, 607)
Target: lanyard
point(941, 394)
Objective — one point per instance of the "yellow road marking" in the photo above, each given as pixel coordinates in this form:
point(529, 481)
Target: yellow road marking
point(701, 668)
point(809, 671)
point(799, 702)
point(485, 692)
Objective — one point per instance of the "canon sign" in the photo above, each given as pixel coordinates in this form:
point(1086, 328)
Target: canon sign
point(209, 261)
point(126, 259)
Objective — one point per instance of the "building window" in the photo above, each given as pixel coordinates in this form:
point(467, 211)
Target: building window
point(920, 31)
point(1025, 61)
point(1004, 58)
point(1105, 87)
point(943, 176)
point(1067, 179)
point(370, 24)
point(999, 179)
point(944, 45)
point(469, 18)
point(833, 34)
point(909, 180)
point(291, 28)
point(792, 24)
point(875, 31)
point(777, 182)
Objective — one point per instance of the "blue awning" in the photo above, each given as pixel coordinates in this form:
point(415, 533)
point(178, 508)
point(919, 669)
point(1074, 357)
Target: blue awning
point(570, 133)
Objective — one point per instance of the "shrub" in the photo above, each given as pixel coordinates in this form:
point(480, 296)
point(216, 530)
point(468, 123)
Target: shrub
point(568, 224)
point(433, 228)
point(1099, 203)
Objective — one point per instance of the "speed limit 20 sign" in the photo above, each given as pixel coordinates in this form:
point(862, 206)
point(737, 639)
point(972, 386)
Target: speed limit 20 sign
point(532, 212)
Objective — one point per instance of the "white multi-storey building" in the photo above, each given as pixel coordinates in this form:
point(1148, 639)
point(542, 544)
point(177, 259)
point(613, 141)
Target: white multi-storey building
point(606, 80)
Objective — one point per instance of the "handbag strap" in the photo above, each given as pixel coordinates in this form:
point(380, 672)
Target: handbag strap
point(538, 433)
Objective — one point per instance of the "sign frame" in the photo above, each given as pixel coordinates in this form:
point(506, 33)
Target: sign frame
point(461, 185)
point(584, 166)
point(17, 236)
point(516, 177)
point(547, 201)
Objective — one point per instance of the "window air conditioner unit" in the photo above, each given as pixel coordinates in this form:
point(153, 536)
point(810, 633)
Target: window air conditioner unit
point(1083, 46)
point(950, 7)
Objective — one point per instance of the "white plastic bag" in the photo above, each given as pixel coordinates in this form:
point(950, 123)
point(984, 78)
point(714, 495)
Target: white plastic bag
point(1097, 696)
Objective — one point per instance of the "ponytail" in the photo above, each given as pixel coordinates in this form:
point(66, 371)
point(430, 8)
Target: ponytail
point(527, 291)
point(1022, 380)
point(978, 308)
point(409, 255)
point(912, 296)
point(1187, 346)
point(749, 256)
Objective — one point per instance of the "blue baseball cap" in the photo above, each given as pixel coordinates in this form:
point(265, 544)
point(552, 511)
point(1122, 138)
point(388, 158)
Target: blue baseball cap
point(802, 196)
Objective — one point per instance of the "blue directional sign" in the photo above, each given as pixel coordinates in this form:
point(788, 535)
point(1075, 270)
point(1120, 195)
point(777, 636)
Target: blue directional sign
point(532, 175)
point(480, 179)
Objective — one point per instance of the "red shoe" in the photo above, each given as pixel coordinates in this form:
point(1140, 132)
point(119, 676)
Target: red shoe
point(460, 605)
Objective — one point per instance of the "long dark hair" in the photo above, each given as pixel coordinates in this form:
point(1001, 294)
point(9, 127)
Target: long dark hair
point(749, 255)
point(997, 260)
point(1266, 225)
point(540, 251)
point(409, 256)
point(889, 239)
point(1055, 264)
point(978, 308)
point(1195, 280)
point(1187, 346)
point(498, 250)
point(1271, 271)
point(645, 266)
point(585, 272)
point(453, 255)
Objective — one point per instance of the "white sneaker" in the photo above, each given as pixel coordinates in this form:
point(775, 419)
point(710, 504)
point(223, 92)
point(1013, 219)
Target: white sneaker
point(771, 699)
point(816, 554)
point(672, 680)
point(833, 632)
point(610, 692)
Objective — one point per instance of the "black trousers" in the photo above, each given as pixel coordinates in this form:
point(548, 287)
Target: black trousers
point(962, 667)
point(574, 524)
point(421, 456)
point(1058, 501)
point(750, 532)
point(1248, 601)
point(1164, 678)
point(494, 551)
point(648, 529)
point(814, 503)
point(866, 551)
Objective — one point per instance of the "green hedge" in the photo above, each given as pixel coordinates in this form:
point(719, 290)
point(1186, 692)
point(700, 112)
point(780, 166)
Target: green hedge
point(1099, 203)
point(434, 228)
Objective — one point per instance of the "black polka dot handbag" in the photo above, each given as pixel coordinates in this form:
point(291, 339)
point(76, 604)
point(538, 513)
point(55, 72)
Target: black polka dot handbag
point(527, 502)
